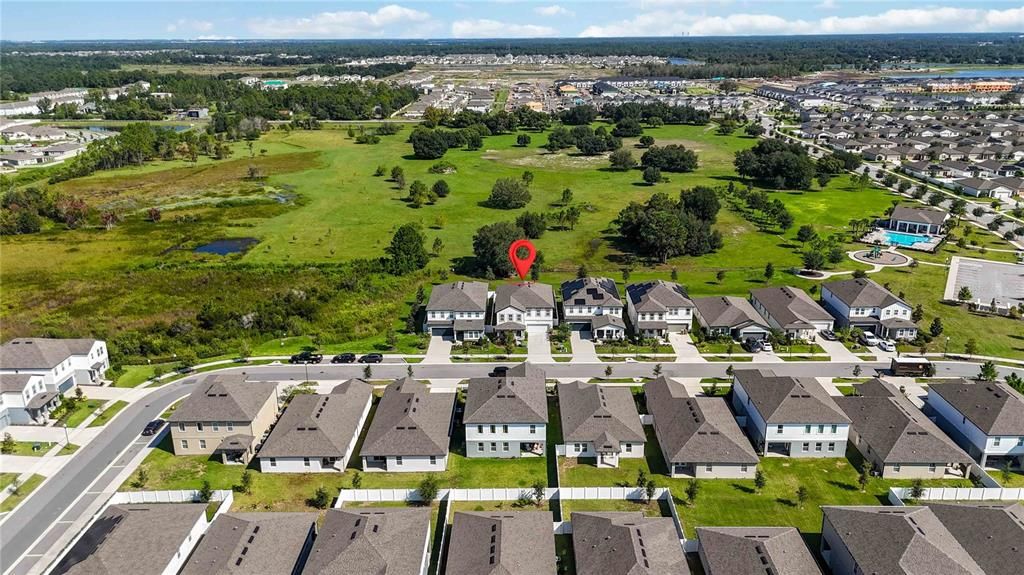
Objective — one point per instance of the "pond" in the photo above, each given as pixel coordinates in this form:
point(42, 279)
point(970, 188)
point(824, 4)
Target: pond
point(227, 246)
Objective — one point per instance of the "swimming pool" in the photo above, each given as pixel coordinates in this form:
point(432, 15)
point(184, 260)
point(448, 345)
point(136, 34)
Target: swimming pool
point(903, 239)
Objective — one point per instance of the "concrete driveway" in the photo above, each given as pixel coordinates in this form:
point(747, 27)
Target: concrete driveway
point(583, 350)
point(684, 348)
point(438, 351)
point(538, 347)
point(836, 350)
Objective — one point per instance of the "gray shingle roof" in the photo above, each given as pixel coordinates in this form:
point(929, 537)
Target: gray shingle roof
point(754, 550)
point(14, 382)
point(791, 307)
point(319, 425)
point(657, 296)
point(370, 541)
point(899, 541)
point(789, 399)
point(458, 296)
point(225, 397)
point(591, 291)
point(519, 397)
point(995, 408)
point(243, 543)
point(597, 413)
point(895, 429)
point(861, 292)
point(918, 215)
point(131, 539)
point(992, 533)
point(695, 429)
point(410, 421)
point(523, 296)
point(626, 544)
point(728, 311)
point(502, 543)
point(41, 353)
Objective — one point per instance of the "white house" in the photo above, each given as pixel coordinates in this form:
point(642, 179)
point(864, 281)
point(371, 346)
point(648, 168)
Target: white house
point(792, 311)
point(862, 303)
point(592, 305)
point(789, 416)
point(456, 310)
point(24, 399)
point(982, 188)
point(985, 418)
point(57, 364)
point(318, 432)
point(916, 220)
point(524, 307)
point(599, 422)
point(658, 307)
point(506, 417)
point(410, 430)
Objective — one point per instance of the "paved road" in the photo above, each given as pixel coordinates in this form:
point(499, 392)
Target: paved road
point(41, 513)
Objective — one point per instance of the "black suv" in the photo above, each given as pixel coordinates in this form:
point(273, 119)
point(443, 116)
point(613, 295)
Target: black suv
point(344, 358)
point(500, 371)
point(371, 358)
point(152, 427)
point(306, 357)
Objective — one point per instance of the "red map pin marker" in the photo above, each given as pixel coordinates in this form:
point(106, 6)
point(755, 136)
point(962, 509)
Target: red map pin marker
point(523, 264)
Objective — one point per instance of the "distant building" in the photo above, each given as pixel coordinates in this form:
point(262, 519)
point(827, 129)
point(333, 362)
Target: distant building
point(915, 220)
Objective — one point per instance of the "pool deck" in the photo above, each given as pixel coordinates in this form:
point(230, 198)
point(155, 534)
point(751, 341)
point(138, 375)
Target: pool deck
point(879, 237)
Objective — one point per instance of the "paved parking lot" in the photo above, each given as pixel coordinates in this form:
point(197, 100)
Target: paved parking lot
point(986, 280)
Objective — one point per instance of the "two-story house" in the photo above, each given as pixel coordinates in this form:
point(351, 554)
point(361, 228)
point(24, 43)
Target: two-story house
point(600, 422)
point(592, 305)
point(985, 418)
point(457, 311)
point(226, 416)
point(318, 432)
point(524, 307)
point(24, 400)
point(501, 542)
point(657, 308)
point(411, 429)
point(62, 363)
point(507, 416)
point(862, 303)
point(791, 310)
point(624, 543)
point(789, 416)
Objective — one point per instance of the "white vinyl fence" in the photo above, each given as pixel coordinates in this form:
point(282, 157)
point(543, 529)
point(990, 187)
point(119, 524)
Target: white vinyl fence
point(498, 494)
point(897, 495)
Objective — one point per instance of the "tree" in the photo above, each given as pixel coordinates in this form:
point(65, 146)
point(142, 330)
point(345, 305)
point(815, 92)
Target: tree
point(753, 130)
point(777, 163)
point(720, 275)
point(509, 194)
point(813, 260)
point(205, 491)
point(539, 489)
point(622, 160)
point(397, 172)
point(671, 158)
point(380, 171)
point(769, 271)
point(652, 175)
point(801, 496)
point(918, 313)
point(566, 197)
point(357, 480)
point(964, 294)
point(441, 189)
point(760, 481)
point(692, 491)
point(490, 247)
point(581, 271)
point(608, 371)
point(523, 140)
point(419, 195)
point(367, 371)
point(428, 144)
point(1004, 473)
point(646, 141)
point(917, 489)
point(935, 329)
point(627, 128)
point(428, 489)
point(407, 251)
point(1015, 381)
point(857, 370)
point(864, 476)
point(649, 489)
point(245, 484)
point(988, 371)
point(321, 498)
point(8, 445)
point(971, 347)
point(187, 359)
point(533, 224)
point(641, 478)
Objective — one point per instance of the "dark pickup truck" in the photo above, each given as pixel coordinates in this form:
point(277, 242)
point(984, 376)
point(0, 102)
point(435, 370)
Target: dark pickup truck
point(306, 357)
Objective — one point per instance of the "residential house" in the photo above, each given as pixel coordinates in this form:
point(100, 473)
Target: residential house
point(22, 159)
point(456, 311)
point(914, 220)
point(600, 422)
point(893, 541)
point(410, 430)
point(502, 542)
point(862, 303)
point(792, 311)
point(896, 438)
point(658, 307)
point(372, 541)
point(523, 308)
point(754, 550)
point(789, 416)
point(985, 418)
point(318, 432)
point(698, 436)
point(63, 363)
point(730, 316)
point(626, 543)
point(144, 538)
point(983, 188)
point(593, 305)
point(1013, 183)
point(990, 532)
point(226, 416)
point(244, 543)
point(24, 400)
point(507, 416)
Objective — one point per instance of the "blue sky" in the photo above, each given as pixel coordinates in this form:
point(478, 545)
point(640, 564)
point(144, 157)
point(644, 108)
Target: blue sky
point(163, 19)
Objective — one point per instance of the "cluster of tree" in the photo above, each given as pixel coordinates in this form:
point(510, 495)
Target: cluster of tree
point(490, 249)
point(778, 164)
point(761, 209)
point(420, 194)
point(433, 143)
point(23, 211)
point(588, 141)
point(510, 193)
point(818, 250)
point(671, 158)
point(376, 70)
point(662, 228)
point(656, 113)
point(578, 115)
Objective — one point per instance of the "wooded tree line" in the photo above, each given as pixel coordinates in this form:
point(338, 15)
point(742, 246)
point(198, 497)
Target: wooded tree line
point(662, 228)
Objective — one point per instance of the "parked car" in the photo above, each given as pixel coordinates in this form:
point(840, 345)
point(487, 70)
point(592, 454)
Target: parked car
point(306, 357)
point(153, 427)
point(371, 358)
point(869, 339)
point(499, 371)
point(752, 345)
point(886, 345)
point(344, 358)
point(767, 346)
point(828, 334)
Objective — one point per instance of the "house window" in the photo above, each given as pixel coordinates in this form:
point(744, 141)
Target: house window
point(708, 468)
point(305, 461)
point(1020, 441)
point(199, 427)
point(494, 446)
point(805, 447)
point(398, 460)
point(831, 446)
point(504, 429)
point(807, 429)
point(216, 426)
point(778, 429)
point(834, 428)
point(231, 426)
point(996, 440)
point(202, 444)
point(817, 446)
point(480, 447)
point(492, 429)
point(896, 467)
point(578, 447)
point(480, 429)
point(533, 429)
point(184, 444)
point(743, 467)
point(629, 448)
point(273, 462)
point(821, 429)
point(931, 467)
point(433, 460)
point(504, 446)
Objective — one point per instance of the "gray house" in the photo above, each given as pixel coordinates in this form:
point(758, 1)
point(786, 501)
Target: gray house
point(916, 220)
point(371, 541)
point(754, 550)
point(524, 307)
point(730, 316)
point(592, 305)
point(507, 416)
point(791, 310)
point(985, 418)
point(698, 436)
point(410, 430)
point(457, 311)
point(600, 422)
point(658, 307)
point(626, 544)
point(506, 543)
point(242, 543)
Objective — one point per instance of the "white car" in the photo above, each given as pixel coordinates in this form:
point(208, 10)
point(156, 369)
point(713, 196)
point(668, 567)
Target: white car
point(886, 345)
point(767, 346)
point(868, 338)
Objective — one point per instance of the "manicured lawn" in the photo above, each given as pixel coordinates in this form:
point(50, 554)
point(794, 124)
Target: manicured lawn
point(632, 348)
point(847, 389)
point(136, 375)
point(26, 489)
point(84, 409)
point(108, 413)
point(651, 509)
point(6, 479)
point(25, 448)
point(68, 449)
point(1016, 478)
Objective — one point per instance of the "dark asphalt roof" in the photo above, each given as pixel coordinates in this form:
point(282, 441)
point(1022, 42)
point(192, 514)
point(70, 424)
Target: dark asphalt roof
point(41, 353)
point(918, 215)
point(657, 296)
point(458, 296)
point(783, 399)
point(791, 307)
point(523, 296)
point(597, 413)
point(993, 533)
point(370, 541)
point(755, 550)
point(410, 420)
point(14, 382)
point(225, 397)
point(626, 544)
point(319, 425)
point(502, 543)
point(243, 543)
point(728, 311)
point(518, 397)
point(995, 408)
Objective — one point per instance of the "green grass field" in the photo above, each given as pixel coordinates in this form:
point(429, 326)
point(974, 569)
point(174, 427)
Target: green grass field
point(84, 409)
point(108, 413)
point(26, 489)
point(26, 448)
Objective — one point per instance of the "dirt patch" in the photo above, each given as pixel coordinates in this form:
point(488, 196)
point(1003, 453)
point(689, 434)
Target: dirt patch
point(560, 160)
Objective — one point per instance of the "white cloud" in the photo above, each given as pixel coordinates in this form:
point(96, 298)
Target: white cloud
point(553, 10)
point(484, 28)
point(938, 19)
point(346, 24)
point(215, 37)
point(186, 25)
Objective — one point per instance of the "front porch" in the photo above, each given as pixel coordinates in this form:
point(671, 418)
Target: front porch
point(235, 449)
